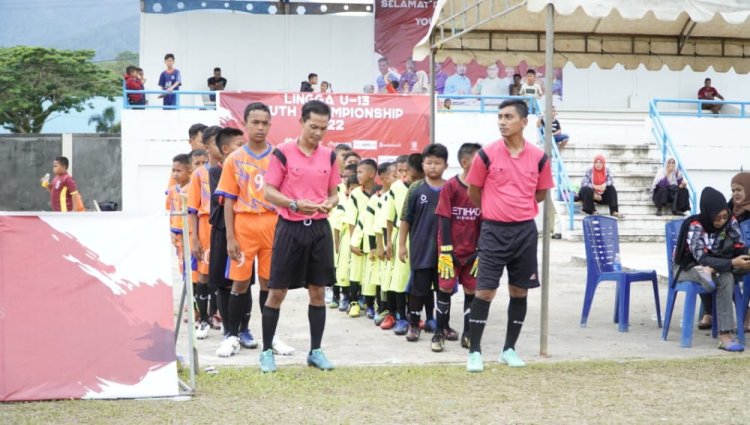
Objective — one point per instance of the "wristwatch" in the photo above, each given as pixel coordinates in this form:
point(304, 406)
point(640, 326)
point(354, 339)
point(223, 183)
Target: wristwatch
point(293, 206)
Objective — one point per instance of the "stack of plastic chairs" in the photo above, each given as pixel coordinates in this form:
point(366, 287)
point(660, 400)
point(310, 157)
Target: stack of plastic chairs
point(602, 247)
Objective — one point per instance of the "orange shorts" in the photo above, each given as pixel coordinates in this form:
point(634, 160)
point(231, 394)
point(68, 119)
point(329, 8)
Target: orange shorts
point(193, 261)
point(254, 234)
point(204, 236)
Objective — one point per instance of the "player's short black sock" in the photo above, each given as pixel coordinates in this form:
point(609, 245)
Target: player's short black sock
point(201, 299)
point(270, 320)
point(480, 310)
point(415, 308)
point(262, 300)
point(379, 300)
point(401, 306)
point(429, 306)
point(354, 289)
point(317, 317)
point(468, 298)
point(213, 300)
point(223, 302)
point(248, 308)
point(336, 293)
point(516, 315)
point(390, 298)
point(443, 310)
point(370, 301)
point(237, 305)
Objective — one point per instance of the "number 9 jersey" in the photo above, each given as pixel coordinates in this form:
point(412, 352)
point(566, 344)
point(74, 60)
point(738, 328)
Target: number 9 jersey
point(242, 179)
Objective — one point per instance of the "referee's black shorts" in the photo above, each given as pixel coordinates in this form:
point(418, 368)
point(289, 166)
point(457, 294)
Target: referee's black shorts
point(507, 244)
point(302, 254)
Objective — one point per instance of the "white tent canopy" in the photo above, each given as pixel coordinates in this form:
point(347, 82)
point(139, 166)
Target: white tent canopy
point(676, 33)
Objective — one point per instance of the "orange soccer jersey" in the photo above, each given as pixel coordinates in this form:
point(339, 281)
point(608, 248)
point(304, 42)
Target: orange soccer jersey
point(199, 202)
point(174, 205)
point(242, 180)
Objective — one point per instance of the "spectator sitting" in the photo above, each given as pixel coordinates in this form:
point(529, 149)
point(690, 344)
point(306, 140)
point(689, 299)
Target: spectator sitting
point(560, 138)
point(709, 93)
point(740, 202)
point(325, 87)
point(710, 251)
point(132, 82)
point(216, 83)
point(307, 86)
point(458, 83)
point(598, 186)
point(515, 88)
point(670, 189)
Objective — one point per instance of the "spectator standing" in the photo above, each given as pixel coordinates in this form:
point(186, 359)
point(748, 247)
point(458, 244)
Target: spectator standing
point(325, 87)
point(531, 87)
point(707, 92)
point(132, 82)
point(216, 83)
point(308, 86)
point(170, 80)
point(515, 88)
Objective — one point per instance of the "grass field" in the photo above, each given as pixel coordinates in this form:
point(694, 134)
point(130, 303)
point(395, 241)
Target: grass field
point(707, 390)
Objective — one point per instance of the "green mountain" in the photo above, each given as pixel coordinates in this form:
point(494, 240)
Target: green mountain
point(106, 26)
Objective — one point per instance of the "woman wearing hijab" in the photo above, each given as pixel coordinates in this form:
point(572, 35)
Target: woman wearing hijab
point(598, 187)
point(710, 251)
point(670, 189)
point(740, 202)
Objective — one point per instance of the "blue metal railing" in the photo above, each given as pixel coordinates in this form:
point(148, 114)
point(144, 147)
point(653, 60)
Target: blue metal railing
point(699, 111)
point(488, 104)
point(659, 130)
point(177, 93)
point(482, 104)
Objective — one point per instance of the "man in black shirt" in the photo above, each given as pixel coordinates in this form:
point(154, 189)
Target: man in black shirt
point(307, 86)
point(216, 83)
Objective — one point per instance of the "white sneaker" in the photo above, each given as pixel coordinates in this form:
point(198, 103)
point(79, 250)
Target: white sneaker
point(229, 347)
point(202, 331)
point(328, 295)
point(279, 347)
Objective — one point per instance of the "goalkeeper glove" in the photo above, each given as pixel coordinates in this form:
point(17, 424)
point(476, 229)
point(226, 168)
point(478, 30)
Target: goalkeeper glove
point(445, 262)
point(475, 265)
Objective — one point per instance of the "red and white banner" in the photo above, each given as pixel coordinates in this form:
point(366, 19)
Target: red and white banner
point(86, 307)
point(399, 25)
point(376, 126)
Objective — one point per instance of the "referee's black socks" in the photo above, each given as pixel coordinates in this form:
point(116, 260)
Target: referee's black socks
point(316, 314)
point(480, 310)
point(516, 315)
point(270, 320)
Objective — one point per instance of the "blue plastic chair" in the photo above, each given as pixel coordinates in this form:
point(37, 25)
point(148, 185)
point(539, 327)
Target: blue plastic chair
point(745, 228)
point(602, 245)
point(691, 290)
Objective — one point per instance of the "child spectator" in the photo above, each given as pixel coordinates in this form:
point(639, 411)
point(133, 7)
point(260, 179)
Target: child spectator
point(308, 86)
point(63, 192)
point(531, 87)
point(419, 226)
point(560, 138)
point(170, 80)
point(325, 87)
point(458, 235)
point(132, 82)
point(356, 209)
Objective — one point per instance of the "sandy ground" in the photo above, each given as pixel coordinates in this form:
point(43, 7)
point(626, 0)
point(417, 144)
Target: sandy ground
point(356, 341)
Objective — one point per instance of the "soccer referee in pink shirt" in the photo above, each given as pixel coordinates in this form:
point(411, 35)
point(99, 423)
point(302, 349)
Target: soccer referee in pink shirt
point(301, 181)
point(507, 179)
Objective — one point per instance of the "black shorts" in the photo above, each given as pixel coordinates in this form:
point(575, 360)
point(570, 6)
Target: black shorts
point(423, 282)
point(507, 244)
point(302, 254)
point(218, 260)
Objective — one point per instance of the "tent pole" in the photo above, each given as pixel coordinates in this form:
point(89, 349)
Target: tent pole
point(548, 207)
point(431, 83)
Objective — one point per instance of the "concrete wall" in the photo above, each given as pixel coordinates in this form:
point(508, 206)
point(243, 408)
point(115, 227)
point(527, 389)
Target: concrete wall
point(95, 165)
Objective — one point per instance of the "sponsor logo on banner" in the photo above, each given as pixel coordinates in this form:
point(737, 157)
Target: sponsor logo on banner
point(376, 125)
point(365, 145)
